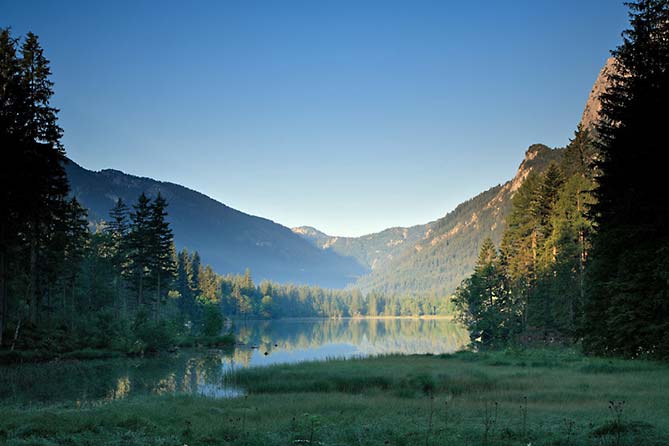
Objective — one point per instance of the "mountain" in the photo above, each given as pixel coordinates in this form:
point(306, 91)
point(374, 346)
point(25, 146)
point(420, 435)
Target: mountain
point(373, 250)
point(436, 256)
point(447, 252)
point(227, 239)
point(593, 106)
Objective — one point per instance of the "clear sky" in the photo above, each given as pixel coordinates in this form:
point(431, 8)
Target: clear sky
point(350, 116)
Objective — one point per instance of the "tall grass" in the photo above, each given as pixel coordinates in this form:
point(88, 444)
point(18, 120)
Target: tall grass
point(502, 398)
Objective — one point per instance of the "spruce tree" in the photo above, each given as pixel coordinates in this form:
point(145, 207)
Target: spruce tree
point(77, 239)
point(161, 257)
point(33, 182)
point(484, 302)
point(628, 297)
point(117, 230)
point(140, 248)
point(195, 275)
point(186, 304)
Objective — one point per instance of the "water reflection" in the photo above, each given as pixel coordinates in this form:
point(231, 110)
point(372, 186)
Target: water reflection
point(203, 372)
point(295, 340)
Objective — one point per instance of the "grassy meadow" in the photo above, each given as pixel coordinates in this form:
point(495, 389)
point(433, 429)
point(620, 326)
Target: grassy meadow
point(538, 397)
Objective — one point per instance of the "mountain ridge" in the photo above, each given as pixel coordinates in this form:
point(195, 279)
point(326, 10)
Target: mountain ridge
point(427, 264)
point(436, 256)
point(432, 257)
point(228, 239)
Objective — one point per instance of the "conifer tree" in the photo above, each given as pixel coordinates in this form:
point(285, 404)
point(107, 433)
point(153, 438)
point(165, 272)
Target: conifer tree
point(484, 303)
point(140, 247)
point(628, 297)
point(196, 266)
point(117, 230)
point(161, 259)
point(77, 237)
point(186, 303)
point(33, 178)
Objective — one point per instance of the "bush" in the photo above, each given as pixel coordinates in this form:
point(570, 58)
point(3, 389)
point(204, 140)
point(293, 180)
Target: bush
point(212, 321)
point(102, 330)
point(152, 336)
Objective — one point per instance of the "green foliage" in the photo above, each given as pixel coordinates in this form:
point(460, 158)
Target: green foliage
point(212, 320)
point(627, 311)
point(445, 251)
point(485, 304)
point(36, 215)
point(151, 336)
point(533, 289)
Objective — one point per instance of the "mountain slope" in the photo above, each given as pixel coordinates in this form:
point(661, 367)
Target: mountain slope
point(446, 254)
point(372, 250)
point(227, 239)
point(436, 256)
point(593, 106)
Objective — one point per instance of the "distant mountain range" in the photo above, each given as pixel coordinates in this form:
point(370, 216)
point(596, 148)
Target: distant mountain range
point(433, 257)
point(227, 239)
point(438, 255)
point(372, 250)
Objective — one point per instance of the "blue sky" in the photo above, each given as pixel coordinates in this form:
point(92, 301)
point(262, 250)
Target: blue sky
point(350, 116)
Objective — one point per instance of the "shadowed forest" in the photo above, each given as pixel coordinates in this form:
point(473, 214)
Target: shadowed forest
point(536, 313)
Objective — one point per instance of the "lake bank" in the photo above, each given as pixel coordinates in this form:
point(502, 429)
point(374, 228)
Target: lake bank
point(41, 355)
point(545, 397)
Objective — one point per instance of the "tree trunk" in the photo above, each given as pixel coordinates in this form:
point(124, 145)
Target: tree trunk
point(157, 309)
point(16, 334)
point(117, 298)
point(3, 295)
point(141, 283)
point(32, 285)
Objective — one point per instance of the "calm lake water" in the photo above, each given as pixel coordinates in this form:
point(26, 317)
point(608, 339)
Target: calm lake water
point(261, 343)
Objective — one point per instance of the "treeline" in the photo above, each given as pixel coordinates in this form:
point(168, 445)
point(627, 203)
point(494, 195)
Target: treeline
point(40, 229)
point(534, 285)
point(584, 255)
point(63, 286)
point(239, 297)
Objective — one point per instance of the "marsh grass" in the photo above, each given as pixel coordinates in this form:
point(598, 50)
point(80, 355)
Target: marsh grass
point(388, 400)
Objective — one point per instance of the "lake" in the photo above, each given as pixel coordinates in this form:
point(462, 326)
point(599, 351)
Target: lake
point(203, 372)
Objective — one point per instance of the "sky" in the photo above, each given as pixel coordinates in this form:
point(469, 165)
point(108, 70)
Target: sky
point(349, 116)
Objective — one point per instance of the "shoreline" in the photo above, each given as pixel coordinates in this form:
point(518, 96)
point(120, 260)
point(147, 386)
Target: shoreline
point(357, 318)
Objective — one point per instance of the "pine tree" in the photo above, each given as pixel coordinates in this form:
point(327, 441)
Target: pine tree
point(140, 247)
point(520, 244)
point(186, 303)
point(117, 229)
point(9, 135)
point(196, 266)
point(78, 237)
point(34, 186)
point(628, 298)
point(484, 303)
point(161, 258)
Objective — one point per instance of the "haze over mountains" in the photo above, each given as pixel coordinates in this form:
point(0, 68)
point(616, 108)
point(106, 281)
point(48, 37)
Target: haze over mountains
point(227, 239)
point(433, 257)
point(438, 255)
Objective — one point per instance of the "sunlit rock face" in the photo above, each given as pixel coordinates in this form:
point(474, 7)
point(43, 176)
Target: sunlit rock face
point(593, 107)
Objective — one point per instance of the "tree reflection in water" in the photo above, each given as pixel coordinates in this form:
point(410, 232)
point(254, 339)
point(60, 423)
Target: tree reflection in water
point(203, 372)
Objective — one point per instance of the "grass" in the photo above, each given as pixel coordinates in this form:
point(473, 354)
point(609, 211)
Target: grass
point(544, 397)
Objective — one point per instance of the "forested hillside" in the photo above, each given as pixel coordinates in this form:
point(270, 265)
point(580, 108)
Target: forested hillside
point(372, 250)
point(437, 256)
point(227, 239)
point(584, 256)
point(533, 286)
point(446, 253)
